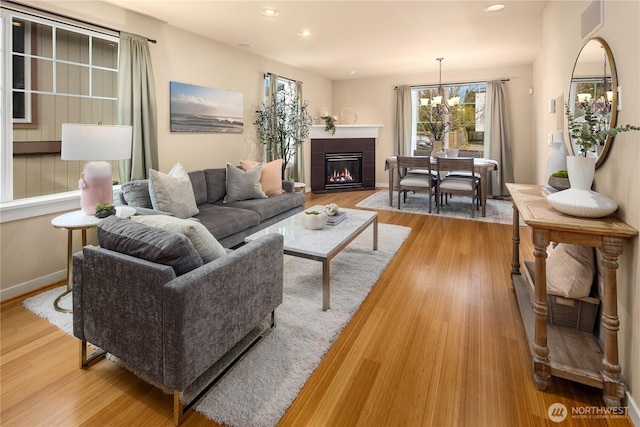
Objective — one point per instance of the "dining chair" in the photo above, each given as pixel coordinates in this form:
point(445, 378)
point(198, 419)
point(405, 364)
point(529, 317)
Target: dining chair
point(415, 175)
point(464, 182)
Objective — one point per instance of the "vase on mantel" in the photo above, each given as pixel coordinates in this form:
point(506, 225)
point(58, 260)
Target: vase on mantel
point(580, 200)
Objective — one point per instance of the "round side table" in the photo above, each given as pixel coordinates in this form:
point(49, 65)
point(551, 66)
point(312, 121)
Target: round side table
point(299, 186)
point(78, 220)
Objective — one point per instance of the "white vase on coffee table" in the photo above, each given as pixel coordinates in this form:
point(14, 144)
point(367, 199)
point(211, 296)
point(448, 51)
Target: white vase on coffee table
point(580, 200)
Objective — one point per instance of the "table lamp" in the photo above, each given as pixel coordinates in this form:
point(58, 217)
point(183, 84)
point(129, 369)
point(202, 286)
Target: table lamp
point(96, 144)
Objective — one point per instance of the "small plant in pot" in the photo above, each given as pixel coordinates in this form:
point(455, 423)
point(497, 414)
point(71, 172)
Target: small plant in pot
point(104, 210)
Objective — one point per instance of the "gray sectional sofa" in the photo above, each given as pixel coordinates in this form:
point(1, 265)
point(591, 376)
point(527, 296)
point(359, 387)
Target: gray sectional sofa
point(146, 296)
point(163, 295)
point(229, 222)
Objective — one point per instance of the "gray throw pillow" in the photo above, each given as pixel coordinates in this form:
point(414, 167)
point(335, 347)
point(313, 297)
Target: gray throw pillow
point(243, 185)
point(204, 242)
point(149, 243)
point(136, 193)
point(173, 192)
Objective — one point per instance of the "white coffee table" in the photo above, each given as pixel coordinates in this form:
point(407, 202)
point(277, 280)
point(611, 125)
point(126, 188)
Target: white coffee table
point(324, 244)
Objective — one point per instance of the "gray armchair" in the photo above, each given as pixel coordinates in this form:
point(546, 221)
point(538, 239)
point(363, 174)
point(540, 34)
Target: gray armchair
point(173, 328)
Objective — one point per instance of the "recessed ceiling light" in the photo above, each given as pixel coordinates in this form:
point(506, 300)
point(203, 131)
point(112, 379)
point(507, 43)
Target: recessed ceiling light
point(494, 7)
point(352, 72)
point(270, 12)
point(305, 33)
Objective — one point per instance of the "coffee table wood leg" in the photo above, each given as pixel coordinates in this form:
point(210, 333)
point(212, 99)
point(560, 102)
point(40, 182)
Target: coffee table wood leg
point(326, 284)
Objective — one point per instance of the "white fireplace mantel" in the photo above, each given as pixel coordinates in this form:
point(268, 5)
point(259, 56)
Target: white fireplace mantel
point(345, 131)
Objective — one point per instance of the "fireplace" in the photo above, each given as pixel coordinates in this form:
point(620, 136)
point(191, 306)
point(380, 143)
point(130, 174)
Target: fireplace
point(343, 164)
point(343, 170)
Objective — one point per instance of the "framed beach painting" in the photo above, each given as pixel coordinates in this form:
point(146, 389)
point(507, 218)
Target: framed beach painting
point(203, 109)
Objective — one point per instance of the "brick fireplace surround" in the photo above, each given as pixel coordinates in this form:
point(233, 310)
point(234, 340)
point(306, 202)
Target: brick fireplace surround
point(347, 139)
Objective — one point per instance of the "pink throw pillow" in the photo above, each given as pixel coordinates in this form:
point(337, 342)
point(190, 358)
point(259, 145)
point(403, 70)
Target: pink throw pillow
point(271, 178)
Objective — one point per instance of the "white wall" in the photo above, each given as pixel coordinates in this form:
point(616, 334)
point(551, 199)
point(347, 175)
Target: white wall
point(374, 102)
point(33, 252)
point(619, 176)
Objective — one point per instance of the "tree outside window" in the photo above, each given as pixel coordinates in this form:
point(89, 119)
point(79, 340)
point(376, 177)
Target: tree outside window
point(456, 119)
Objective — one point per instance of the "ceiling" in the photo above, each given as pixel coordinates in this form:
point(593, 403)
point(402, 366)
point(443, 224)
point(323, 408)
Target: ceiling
point(360, 39)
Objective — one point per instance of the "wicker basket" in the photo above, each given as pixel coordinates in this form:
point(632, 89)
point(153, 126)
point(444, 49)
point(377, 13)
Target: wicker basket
point(572, 313)
point(580, 314)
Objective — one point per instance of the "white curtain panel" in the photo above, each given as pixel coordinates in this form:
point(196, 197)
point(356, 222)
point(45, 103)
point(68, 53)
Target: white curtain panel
point(497, 139)
point(403, 120)
point(137, 106)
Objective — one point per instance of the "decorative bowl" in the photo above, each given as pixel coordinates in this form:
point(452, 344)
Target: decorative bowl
point(313, 220)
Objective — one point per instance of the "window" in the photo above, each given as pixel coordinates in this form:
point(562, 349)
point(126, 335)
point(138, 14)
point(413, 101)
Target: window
point(56, 73)
point(286, 111)
point(456, 117)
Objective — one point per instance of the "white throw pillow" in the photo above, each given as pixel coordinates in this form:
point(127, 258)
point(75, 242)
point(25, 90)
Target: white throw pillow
point(243, 185)
point(571, 270)
point(173, 192)
point(204, 242)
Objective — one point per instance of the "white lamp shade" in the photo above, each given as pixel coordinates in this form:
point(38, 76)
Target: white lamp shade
point(454, 101)
point(584, 97)
point(96, 142)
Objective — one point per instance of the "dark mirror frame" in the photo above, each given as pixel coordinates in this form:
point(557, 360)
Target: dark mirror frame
point(614, 101)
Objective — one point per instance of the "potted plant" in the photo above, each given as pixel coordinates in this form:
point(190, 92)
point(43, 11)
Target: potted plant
point(283, 124)
point(330, 123)
point(588, 131)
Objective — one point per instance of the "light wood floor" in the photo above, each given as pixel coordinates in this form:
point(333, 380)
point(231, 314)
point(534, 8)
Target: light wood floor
point(438, 342)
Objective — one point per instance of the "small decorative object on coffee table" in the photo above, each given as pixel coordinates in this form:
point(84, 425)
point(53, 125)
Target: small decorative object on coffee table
point(313, 219)
point(331, 209)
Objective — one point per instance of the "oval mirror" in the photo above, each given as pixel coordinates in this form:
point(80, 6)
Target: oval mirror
point(594, 80)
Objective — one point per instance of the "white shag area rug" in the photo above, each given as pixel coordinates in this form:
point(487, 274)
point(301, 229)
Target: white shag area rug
point(258, 390)
point(499, 211)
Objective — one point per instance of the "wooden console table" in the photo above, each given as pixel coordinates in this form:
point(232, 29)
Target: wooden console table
point(559, 351)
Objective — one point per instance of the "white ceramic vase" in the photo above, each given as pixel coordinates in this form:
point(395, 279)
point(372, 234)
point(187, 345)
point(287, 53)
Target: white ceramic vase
point(580, 200)
point(557, 158)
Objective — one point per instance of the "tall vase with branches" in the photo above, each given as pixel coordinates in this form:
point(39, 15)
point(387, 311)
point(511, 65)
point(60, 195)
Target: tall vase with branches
point(283, 125)
point(589, 131)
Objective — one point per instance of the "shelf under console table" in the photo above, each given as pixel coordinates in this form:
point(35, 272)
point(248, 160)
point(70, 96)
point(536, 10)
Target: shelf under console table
point(559, 351)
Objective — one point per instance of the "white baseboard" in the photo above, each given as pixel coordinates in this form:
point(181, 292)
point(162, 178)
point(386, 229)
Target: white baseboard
point(32, 285)
point(634, 411)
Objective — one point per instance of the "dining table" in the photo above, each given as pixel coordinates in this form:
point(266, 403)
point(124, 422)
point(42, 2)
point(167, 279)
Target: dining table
point(481, 165)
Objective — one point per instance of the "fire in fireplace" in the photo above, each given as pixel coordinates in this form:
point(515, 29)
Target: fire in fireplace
point(343, 170)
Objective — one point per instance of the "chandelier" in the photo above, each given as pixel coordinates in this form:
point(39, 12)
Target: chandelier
point(438, 109)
